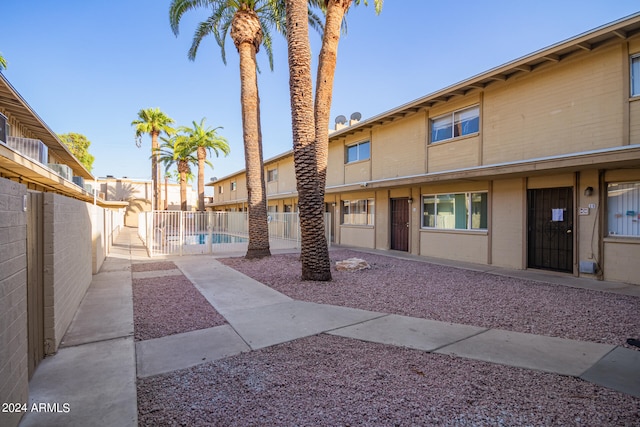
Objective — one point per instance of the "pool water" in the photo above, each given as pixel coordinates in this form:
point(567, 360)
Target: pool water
point(216, 238)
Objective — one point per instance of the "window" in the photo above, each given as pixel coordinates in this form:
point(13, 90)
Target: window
point(220, 189)
point(358, 212)
point(233, 186)
point(453, 125)
point(635, 75)
point(4, 129)
point(623, 209)
point(357, 152)
point(272, 175)
point(460, 211)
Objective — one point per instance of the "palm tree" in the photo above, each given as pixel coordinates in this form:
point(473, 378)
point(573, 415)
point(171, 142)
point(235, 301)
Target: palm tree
point(250, 22)
point(154, 122)
point(203, 140)
point(176, 150)
point(3, 63)
point(335, 12)
point(311, 142)
point(314, 253)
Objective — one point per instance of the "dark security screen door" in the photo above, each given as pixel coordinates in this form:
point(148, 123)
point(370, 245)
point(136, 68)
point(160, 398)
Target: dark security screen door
point(400, 224)
point(550, 232)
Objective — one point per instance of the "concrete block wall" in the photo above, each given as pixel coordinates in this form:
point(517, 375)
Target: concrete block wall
point(13, 299)
point(68, 262)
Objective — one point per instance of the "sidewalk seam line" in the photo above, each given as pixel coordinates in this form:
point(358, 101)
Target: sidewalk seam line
point(460, 340)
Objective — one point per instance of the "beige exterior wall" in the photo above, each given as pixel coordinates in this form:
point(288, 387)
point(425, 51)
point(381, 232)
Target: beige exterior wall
point(456, 154)
point(335, 167)
point(286, 182)
point(575, 105)
point(508, 218)
point(13, 299)
point(621, 259)
point(383, 218)
point(398, 149)
point(457, 245)
point(358, 236)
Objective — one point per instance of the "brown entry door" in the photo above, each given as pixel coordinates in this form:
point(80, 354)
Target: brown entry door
point(550, 232)
point(400, 224)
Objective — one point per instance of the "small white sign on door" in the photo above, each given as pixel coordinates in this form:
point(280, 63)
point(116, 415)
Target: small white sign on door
point(557, 215)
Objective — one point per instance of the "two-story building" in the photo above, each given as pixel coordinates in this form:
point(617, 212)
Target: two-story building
point(534, 164)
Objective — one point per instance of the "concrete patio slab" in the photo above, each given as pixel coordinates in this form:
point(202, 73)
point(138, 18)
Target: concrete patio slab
point(618, 370)
point(106, 311)
point(96, 382)
point(226, 289)
point(181, 351)
point(549, 354)
point(278, 323)
point(420, 334)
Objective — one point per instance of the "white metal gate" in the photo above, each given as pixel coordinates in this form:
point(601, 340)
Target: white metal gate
point(188, 233)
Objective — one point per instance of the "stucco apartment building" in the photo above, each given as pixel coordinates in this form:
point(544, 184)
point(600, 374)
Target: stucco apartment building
point(534, 164)
point(55, 233)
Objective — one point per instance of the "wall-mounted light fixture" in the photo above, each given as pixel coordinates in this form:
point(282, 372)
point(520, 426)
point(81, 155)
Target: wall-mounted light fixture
point(410, 200)
point(588, 191)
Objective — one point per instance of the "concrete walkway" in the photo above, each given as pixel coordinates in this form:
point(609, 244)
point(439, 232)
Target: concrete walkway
point(96, 368)
point(94, 371)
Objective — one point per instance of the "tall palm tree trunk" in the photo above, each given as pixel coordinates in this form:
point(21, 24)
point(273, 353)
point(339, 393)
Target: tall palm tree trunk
point(245, 32)
point(154, 169)
point(183, 191)
point(202, 154)
point(314, 253)
point(336, 10)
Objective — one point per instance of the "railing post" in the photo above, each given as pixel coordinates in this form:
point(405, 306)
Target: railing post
point(181, 231)
point(210, 216)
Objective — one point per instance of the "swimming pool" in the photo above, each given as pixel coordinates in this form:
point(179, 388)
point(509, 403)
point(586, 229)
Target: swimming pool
point(216, 238)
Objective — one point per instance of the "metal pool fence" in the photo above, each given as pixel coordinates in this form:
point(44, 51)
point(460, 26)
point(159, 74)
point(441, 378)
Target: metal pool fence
point(189, 233)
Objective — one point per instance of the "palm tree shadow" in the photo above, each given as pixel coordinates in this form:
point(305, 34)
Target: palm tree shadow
point(139, 201)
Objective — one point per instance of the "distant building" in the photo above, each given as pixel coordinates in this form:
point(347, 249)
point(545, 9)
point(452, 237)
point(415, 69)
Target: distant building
point(138, 193)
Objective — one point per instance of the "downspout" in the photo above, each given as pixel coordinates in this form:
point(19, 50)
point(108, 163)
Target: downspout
point(601, 224)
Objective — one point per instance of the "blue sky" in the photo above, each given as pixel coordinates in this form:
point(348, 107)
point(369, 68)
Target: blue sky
point(89, 66)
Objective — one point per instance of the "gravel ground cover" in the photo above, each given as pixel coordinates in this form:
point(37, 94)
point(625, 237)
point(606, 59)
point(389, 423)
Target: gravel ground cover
point(420, 289)
point(152, 266)
point(169, 305)
point(334, 381)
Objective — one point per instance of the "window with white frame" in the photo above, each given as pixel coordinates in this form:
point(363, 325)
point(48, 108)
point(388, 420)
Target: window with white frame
point(455, 124)
point(635, 75)
point(458, 211)
point(272, 175)
point(358, 152)
point(623, 209)
point(358, 212)
point(233, 186)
